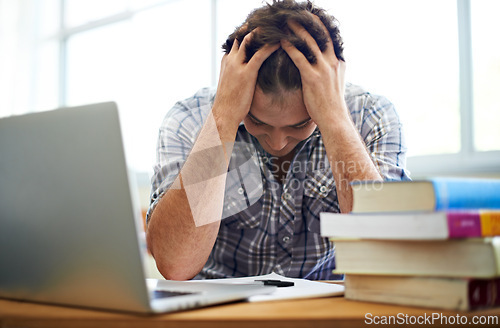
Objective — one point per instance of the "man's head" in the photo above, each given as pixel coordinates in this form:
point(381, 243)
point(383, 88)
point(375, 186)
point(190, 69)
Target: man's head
point(278, 118)
point(278, 73)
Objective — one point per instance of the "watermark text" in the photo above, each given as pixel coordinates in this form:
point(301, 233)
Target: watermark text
point(430, 319)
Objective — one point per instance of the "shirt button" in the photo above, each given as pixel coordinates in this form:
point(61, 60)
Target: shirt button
point(265, 159)
point(287, 196)
point(286, 239)
point(240, 191)
point(323, 189)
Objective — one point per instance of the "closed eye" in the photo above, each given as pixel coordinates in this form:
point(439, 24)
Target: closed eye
point(301, 126)
point(255, 122)
point(298, 126)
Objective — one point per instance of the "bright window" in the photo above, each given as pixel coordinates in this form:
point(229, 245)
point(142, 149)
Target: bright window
point(486, 77)
point(78, 12)
point(437, 61)
point(407, 51)
point(145, 63)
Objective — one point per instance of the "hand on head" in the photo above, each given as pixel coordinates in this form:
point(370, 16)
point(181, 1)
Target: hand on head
point(285, 46)
point(323, 80)
point(238, 78)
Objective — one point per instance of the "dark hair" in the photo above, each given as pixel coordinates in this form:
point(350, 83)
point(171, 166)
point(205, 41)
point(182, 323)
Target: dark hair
point(279, 72)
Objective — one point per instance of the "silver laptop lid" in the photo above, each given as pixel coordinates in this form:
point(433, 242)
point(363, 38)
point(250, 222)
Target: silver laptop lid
point(68, 227)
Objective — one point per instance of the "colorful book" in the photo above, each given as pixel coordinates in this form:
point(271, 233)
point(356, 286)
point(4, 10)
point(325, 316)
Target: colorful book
point(459, 294)
point(470, 257)
point(412, 225)
point(426, 195)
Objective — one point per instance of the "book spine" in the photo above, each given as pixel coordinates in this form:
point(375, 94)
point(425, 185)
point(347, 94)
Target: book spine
point(484, 293)
point(464, 224)
point(490, 223)
point(468, 224)
point(466, 193)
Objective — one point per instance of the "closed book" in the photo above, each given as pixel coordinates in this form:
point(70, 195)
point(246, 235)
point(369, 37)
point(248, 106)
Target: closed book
point(412, 225)
point(475, 258)
point(460, 294)
point(426, 195)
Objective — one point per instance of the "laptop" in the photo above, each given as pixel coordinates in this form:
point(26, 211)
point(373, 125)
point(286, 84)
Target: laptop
point(70, 225)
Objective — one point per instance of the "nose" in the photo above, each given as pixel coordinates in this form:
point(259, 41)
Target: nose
point(277, 140)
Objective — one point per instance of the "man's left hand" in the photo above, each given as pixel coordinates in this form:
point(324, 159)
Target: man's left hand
point(323, 83)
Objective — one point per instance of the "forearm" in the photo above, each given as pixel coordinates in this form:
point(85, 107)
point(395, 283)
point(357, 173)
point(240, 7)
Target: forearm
point(178, 246)
point(184, 224)
point(348, 157)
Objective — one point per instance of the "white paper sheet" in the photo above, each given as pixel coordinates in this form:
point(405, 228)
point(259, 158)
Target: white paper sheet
point(302, 288)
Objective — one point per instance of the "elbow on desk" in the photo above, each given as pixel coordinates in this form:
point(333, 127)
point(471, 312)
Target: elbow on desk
point(177, 272)
point(171, 270)
point(177, 258)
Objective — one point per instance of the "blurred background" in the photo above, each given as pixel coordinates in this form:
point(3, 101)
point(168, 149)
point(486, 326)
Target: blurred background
point(437, 61)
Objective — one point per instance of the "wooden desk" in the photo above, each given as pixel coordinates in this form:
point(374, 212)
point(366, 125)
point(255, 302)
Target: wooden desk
point(320, 312)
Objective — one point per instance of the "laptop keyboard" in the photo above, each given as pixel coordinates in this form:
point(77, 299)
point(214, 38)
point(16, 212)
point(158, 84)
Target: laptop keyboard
point(169, 293)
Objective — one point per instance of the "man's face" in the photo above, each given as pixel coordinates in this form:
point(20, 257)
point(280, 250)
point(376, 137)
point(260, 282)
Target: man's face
point(279, 124)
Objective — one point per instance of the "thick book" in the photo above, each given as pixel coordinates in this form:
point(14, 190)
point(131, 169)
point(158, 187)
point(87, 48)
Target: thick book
point(470, 257)
point(412, 225)
point(426, 195)
point(459, 294)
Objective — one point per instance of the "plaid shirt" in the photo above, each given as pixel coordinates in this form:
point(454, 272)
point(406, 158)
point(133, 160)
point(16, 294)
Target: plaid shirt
point(270, 226)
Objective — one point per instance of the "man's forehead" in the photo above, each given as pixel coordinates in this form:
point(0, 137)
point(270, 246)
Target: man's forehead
point(277, 99)
point(268, 109)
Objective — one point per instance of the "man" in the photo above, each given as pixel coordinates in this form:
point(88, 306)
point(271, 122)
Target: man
point(281, 105)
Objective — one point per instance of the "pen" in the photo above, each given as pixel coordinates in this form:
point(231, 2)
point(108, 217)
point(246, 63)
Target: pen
point(277, 283)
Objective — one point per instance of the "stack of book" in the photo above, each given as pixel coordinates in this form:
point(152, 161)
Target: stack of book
point(432, 243)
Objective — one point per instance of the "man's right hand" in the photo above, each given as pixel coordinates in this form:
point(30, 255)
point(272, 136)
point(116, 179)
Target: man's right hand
point(237, 81)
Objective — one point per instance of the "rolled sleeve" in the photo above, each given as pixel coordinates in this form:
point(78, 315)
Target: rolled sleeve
point(176, 138)
point(380, 127)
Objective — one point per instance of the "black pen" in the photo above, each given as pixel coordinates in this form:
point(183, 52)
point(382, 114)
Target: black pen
point(277, 283)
